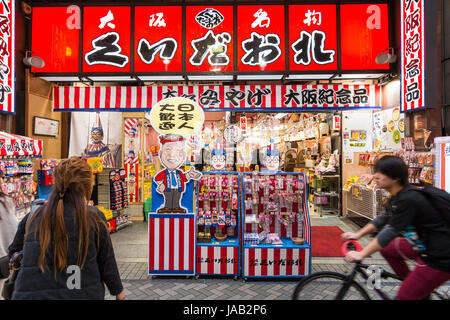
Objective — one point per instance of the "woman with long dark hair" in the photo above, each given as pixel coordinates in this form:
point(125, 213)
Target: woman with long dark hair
point(8, 223)
point(67, 250)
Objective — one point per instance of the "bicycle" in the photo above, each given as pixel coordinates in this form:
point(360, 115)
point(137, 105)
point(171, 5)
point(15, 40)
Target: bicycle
point(329, 285)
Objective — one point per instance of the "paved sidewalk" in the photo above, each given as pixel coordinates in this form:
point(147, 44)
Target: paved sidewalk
point(131, 249)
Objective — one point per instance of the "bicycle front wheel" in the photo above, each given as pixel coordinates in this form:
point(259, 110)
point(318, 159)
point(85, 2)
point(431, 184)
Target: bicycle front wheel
point(326, 286)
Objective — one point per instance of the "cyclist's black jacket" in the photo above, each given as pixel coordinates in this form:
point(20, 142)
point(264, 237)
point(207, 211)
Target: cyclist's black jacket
point(410, 209)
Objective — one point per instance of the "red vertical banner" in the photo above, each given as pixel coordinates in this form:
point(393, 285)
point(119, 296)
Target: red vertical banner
point(209, 38)
point(364, 35)
point(261, 38)
point(312, 37)
point(413, 54)
point(157, 39)
point(106, 39)
point(57, 43)
point(7, 54)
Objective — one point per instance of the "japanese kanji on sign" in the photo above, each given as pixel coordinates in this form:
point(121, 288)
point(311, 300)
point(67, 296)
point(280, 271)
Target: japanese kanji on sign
point(413, 55)
point(7, 53)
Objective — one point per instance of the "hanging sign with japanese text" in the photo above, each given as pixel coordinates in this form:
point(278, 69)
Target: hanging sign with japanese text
point(209, 38)
point(177, 116)
point(157, 39)
point(237, 97)
point(261, 38)
point(7, 53)
point(106, 39)
point(413, 54)
point(312, 37)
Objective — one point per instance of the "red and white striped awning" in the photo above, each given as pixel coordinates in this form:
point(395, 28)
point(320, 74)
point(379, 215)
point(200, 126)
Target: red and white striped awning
point(14, 145)
point(211, 98)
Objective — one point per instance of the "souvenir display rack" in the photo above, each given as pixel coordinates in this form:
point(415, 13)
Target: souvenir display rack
point(218, 231)
point(276, 225)
point(118, 199)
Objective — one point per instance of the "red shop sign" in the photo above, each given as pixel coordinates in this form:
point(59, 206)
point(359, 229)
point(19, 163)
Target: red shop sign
point(209, 38)
point(106, 39)
point(364, 35)
point(157, 38)
point(413, 54)
point(7, 54)
point(312, 37)
point(63, 35)
point(261, 38)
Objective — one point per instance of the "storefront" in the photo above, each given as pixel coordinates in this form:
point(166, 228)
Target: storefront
point(296, 110)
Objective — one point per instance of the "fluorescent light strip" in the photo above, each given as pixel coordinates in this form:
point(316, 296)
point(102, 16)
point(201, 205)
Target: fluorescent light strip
point(309, 77)
point(112, 78)
point(260, 77)
point(209, 78)
point(60, 79)
point(161, 78)
point(360, 76)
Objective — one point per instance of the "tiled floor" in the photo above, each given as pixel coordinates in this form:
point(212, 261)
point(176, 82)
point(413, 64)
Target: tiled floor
point(131, 249)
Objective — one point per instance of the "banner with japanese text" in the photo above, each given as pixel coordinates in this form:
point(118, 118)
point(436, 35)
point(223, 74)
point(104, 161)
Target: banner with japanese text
point(7, 53)
point(157, 39)
point(413, 54)
point(235, 97)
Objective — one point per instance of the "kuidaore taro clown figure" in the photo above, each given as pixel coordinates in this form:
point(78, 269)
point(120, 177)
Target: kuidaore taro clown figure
point(97, 149)
point(171, 181)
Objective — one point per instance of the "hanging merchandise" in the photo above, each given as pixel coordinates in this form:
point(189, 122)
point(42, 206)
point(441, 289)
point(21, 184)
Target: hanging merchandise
point(96, 164)
point(218, 234)
point(276, 227)
point(118, 190)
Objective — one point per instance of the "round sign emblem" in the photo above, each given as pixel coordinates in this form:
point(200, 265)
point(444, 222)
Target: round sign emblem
point(232, 134)
point(177, 116)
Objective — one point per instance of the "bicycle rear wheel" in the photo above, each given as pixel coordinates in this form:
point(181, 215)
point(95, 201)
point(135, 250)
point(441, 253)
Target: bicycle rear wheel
point(325, 286)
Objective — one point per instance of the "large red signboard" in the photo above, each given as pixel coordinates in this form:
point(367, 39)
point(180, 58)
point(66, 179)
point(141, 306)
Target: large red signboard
point(312, 37)
point(63, 35)
point(157, 39)
point(413, 54)
point(364, 35)
point(7, 53)
point(106, 39)
point(212, 33)
point(209, 38)
point(261, 38)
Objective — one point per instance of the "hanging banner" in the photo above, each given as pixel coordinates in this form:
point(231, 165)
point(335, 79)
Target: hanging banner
point(413, 54)
point(7, 54)
point(330, 97)
point(14, 145)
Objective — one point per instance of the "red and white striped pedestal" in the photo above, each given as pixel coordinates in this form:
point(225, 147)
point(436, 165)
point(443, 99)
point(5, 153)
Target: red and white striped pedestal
point(270, 261)
point(171, 244)
point(218, 260)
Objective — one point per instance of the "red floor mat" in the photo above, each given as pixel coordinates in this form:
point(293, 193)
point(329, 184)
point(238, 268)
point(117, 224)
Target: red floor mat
point(326, 241)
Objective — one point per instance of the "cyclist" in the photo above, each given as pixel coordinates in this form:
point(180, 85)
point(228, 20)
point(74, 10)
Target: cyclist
point(410, 228)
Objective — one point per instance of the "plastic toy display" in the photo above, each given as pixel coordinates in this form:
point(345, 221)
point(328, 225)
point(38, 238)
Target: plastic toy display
point(218, 213)
point(276, 226)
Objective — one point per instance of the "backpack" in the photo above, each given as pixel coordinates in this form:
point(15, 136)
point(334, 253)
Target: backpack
point(440, 199)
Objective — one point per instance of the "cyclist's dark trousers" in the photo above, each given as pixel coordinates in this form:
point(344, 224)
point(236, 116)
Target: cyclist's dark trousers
point(419, 282)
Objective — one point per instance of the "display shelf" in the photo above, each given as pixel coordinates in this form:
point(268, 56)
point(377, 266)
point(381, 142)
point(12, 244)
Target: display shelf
point(229, 242)
point(218, 203)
